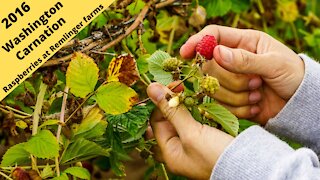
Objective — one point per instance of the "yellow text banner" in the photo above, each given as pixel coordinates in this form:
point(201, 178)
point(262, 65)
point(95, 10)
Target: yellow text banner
point(33, 31)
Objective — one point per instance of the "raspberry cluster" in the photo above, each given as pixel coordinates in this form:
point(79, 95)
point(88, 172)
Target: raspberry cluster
point(171, 64)
point(209, 85)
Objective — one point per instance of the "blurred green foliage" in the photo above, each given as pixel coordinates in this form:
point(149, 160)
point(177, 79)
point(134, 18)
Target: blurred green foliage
point(295, 23)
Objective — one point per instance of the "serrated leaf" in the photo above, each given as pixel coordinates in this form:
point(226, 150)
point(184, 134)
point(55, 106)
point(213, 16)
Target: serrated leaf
point(63, 176)
point(131, 121)
point(216, 7)
point(83, 149)
point(46, 172)
point(82, 75)
point(123, 69)
point(43, 145)
point(225, 118)
point(49, 123)
point(116, 98)
point(142, 63)
point(15, 155)
point(156, 67)
point(78, 172)
point(90, 121)
point(97, 131)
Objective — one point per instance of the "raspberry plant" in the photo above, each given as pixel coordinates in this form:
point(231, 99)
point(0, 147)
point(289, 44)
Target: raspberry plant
point(75, 114)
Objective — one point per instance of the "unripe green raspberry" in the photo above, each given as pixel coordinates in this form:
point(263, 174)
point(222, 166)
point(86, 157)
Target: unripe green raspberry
point(209, 85)
point(189, 101)
point(171, 64)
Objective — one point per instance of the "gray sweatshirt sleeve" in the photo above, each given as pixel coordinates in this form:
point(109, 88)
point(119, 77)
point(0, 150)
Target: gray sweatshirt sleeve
point(299, 120)
point(257, 154)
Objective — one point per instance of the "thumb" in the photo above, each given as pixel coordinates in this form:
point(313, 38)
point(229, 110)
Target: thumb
point(179, 116)
point(242, 61)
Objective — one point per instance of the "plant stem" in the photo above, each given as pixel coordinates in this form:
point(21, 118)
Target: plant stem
point(15, 110)
point(34, 163)
point(164, 172)
point(27, 167)
point(174, 25)
point(37, 110)
point(296, 37)
point(56, 161)
point(36, 117)
point(235, 20)
point(6, 176)
point(63, 109)
point(142, 49)
point(14, 114)
point(260, 6)
point(84, 101)
point(146, 78)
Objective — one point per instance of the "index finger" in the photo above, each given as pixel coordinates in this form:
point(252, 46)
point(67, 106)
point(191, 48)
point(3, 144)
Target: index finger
point(231, 37)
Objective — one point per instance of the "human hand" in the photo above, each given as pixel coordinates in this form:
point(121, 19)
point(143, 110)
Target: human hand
point(240, 57)
point(187, 147)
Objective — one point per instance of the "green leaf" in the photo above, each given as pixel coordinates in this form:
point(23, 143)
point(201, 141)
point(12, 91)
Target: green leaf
point(131, 121)
point(82, 75)
point(43, 145)
point(15, 155)
point(216, 7)
point(244, 124)
point(95, 132)
point(196, 113)
point(63, 176)
point(220, 114)
point(156, 67)
point(135, 7)
point(99, 21)
point(146, 36)
point(49, 123)
point(142, 63)
point(83, 149)
point(90, 121)
point(115, 98)
point(116, 165)
point(61, 76)
point(240, 6)
point(78, 172)
point(46, 172)
point(55, 106)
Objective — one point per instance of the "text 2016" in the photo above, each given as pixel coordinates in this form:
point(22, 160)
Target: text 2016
point(13, 17)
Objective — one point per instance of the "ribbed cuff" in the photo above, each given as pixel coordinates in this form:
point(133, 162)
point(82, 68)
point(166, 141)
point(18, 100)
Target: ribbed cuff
point(251, 155)
point(299, 120)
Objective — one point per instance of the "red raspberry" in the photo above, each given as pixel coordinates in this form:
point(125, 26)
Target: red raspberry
point(206, 46)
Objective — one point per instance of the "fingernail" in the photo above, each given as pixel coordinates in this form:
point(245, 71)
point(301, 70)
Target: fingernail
point(225, 54)
point(254, 96)
point(156, 92)
point(255, 110)
point(254, 83)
